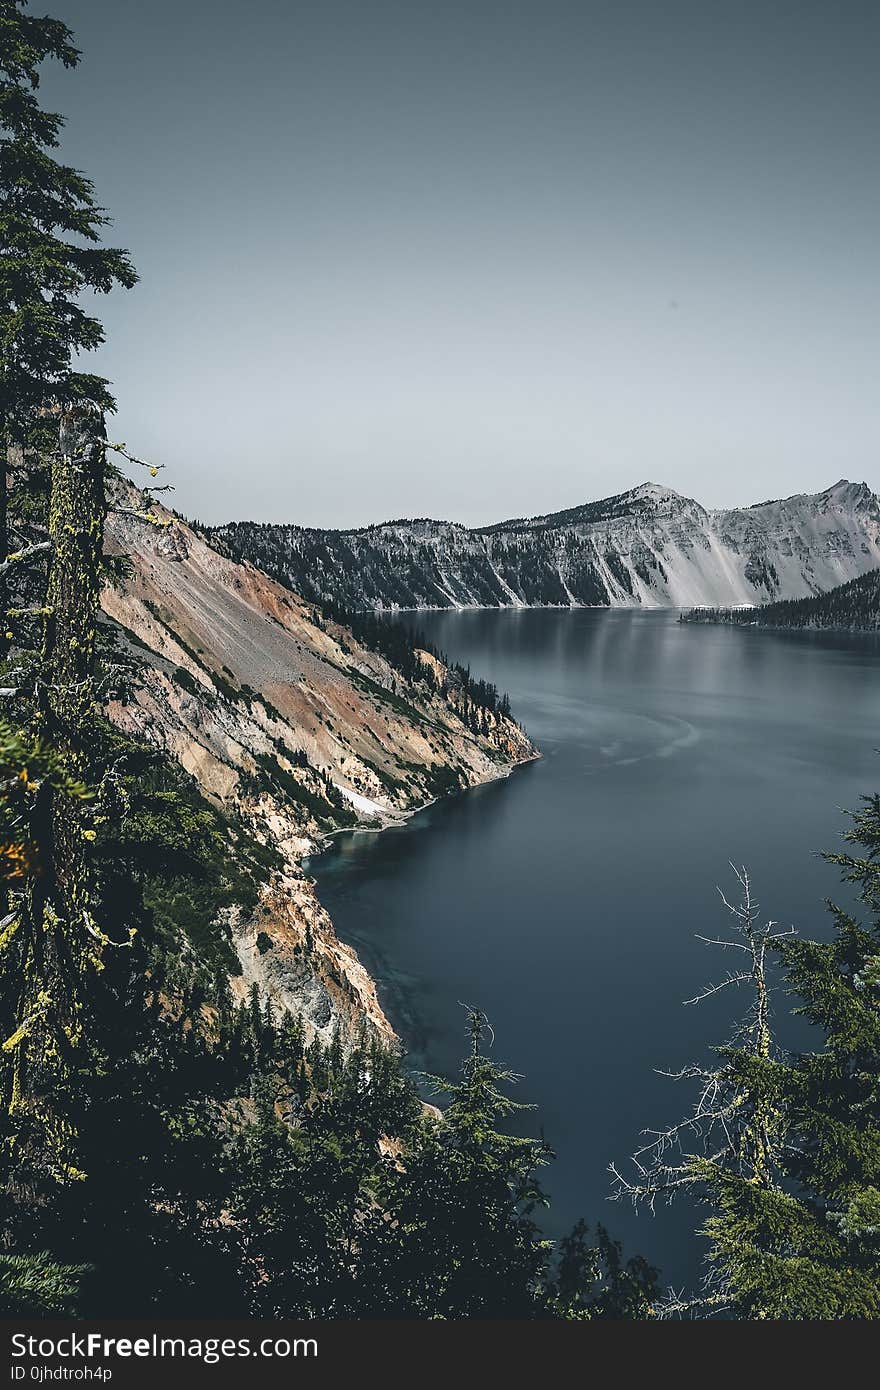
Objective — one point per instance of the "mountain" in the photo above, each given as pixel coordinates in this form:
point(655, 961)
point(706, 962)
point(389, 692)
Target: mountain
point(292, 728)
point(647, 547)
point(851, 607)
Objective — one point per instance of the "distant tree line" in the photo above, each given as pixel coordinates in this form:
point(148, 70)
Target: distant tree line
point(854, 606)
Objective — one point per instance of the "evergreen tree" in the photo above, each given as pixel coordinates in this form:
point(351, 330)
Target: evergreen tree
point(47, 212)
point(788, 1153)
point(464, 1205)
point(461, 1239)
point(56, 941)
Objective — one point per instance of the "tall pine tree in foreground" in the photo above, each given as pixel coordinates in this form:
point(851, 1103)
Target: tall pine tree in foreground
point(50, 229)
point(784, 1149)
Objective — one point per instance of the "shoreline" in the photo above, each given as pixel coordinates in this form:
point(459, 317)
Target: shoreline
point(380, 979)
point(527, 608)
point(400, 818)
point(808, 629)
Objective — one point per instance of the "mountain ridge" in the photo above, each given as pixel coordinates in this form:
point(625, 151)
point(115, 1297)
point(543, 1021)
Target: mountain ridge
point(647, 547)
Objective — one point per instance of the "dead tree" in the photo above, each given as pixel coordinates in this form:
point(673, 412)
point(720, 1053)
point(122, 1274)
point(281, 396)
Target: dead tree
point(734, 1128)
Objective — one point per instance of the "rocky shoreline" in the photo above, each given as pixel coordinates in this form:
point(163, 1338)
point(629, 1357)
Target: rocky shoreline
point(297, 733)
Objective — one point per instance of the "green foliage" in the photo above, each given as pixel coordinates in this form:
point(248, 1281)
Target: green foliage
point(326, 805)
point(253, 1175)
point(37, 1286)
point(593, 1280)
point(27, 764)
point(49, 227)
point(442, 780)
point(806, 1243)
point(463, 1241)
point(352, 1202)
point(188, 681)
point(387, 697)
point(790, 1164)
point(187, 861)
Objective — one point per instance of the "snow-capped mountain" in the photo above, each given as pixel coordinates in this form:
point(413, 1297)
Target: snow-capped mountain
point(647, 547)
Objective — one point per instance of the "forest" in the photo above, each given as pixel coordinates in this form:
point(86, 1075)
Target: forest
point(166, 1150)
point(851, 607)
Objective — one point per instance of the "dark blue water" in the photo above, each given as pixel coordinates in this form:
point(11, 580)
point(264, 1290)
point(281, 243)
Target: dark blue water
point(565, 900)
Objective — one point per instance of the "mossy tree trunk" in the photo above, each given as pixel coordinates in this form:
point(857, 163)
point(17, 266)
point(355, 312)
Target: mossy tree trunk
point(66, 703)
point(10, 456)
point(62, 943)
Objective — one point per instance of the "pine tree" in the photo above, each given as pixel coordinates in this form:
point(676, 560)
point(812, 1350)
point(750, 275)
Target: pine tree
point(786, 1149)
point(58, 939)
point(824, 1257)
point(462, 1241)
point(47, 212)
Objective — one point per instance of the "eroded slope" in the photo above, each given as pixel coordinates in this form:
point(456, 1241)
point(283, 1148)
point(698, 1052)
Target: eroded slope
point(288, 723)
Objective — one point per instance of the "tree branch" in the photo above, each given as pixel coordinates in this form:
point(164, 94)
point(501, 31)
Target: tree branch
point(20, 556)
point(149, 517)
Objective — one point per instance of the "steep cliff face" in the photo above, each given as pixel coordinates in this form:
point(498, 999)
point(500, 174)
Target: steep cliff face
point(850, 607)
point(296, 729)
point(647, 547)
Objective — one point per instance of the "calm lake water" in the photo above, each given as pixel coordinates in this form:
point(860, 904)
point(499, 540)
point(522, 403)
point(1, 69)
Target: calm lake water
point(564, 901)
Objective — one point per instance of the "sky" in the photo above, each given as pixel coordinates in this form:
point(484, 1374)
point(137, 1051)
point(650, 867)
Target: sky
point(479, 260)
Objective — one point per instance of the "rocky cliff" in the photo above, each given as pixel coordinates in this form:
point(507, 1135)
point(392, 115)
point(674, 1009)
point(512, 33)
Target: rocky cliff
point(850, 607)
point(294, 728)
point(646, 547)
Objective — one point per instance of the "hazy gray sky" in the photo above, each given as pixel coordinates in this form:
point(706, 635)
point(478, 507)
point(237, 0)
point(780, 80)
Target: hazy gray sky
point(477, 260)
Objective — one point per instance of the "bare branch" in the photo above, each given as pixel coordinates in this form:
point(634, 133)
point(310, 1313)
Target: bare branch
point(153, 468)
point(730, 1127)
point(719, 941)
point(19, 557)
point(716, 989)
point(149, 517)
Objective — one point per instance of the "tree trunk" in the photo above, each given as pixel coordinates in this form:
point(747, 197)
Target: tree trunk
point(62, 943)
point(77, 509)
point(5, 449)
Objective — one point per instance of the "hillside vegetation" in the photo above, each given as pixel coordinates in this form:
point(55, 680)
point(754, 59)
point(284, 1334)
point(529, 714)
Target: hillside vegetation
point(852, 607)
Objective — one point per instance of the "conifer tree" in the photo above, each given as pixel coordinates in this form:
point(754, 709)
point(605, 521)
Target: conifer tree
point(786, 1147)
point(464, 1204)
point(59, 939)
point(462, 1239)
point(47, 212)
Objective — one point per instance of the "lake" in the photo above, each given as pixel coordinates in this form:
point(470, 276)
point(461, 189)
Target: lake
point(564, 901)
